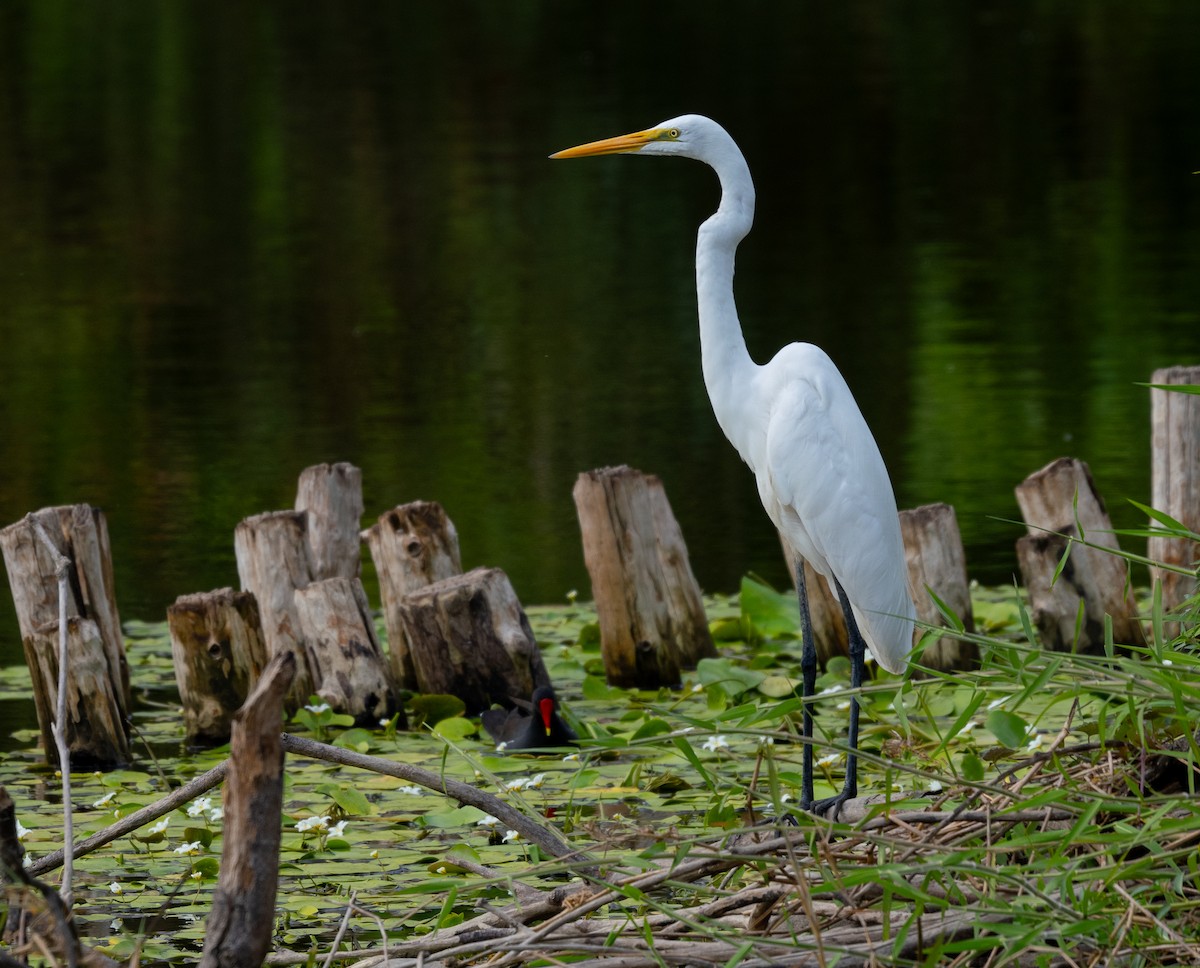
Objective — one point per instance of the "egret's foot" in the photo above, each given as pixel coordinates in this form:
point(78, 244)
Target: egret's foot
point(830, 807)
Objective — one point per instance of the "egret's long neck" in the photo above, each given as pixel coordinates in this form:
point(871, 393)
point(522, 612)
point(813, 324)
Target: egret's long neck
point(728, 368)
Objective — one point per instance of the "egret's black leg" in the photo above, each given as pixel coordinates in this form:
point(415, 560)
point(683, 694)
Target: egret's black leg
point(808, 671)
point(858, 651)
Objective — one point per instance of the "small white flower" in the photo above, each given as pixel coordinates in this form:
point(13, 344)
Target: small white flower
point(935, 786)
point(698, 687)
point(535, 782)
point(510, 836)
point(323, 707)
point(105, 800)
point(216, 813)
point(488, 821)
point(22, 830)
point(197, 875)
point(412, 791)
point(844, 704)
point(162, 825)
point(997, 703)
point(836, 687)
point(194, 847)
point(312, 823)
point(1035, 741)
point(374, 855)
point(766, 741)
point(1167, 662)
point(502, 746)
point(715, 743)
point(197, 807)
point(337, 829)
point(829, 759)
point(785, 797)
point(520, 783)
point(385, 723)
point(970, 725)
point(439, 870)
point(571, 758)
point(117, 887)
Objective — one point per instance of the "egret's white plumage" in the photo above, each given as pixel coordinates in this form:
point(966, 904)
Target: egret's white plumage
point(793, 420)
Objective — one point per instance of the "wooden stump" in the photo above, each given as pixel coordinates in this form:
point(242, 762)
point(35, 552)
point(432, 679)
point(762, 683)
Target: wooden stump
point(1061, 500)
point(652, 621)
point(933, 550)
point(218, 650)
point(239, 928)
point(1175, 480)
point(79, 532)
point(272, 562)
point(95, 720)
point(349, 669)
point(332, 496)
point(469, 637)
point(824, 611)
point(412, 546)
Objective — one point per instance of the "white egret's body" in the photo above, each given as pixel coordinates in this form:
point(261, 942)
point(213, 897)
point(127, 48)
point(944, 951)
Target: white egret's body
point(793, 420)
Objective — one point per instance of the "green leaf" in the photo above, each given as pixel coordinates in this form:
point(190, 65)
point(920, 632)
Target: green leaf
point(971, 767)
point(769, 613)
point(651, 727)
point(456, 728)
point(358, 740)
point(434, 708)
point(352, 801)
point(777, 687)
point(1009, 729)
point(731, 677)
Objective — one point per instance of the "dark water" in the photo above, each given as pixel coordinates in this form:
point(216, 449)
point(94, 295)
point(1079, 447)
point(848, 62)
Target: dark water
point(236, 240)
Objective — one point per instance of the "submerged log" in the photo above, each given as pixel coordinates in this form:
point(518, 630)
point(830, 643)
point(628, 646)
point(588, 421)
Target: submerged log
point(412, 545)
point(933, 550)
point(1175, 480)
point(78, 532)
point(332, 496)
point(272, 562)
point(95, 723)
point(239, 928)
point(651, 615)
point(469, 637)
point(218, 651)
point(1061, 502)
point(349, 669)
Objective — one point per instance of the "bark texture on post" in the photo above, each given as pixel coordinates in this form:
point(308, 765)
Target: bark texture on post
point(651, 615)
point(79, 532)
point(272, 562)
point(933, 550)
point(349, 669)
point(412, 545)
point(218, 651)
point(1062, 499)
point(239, 928)
point(1175, 479)
point(95, 720)
point(470, 638)
point(332, 496)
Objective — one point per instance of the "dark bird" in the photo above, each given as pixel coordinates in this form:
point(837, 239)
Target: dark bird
point(517, 731)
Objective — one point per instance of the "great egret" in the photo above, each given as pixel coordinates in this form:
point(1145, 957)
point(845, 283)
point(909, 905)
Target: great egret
point(794, 421)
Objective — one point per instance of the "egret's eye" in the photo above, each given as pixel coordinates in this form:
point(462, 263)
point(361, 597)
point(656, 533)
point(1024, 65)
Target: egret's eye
point(673, 133)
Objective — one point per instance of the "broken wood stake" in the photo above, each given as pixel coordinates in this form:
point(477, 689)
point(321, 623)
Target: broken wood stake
point(651, 615)
point(937, 564)
point(218, 651)
point(1059, 503)
point(1175, 481)
point(239, 928)
point(469, 637)
point(331, 494)
point(412, 545)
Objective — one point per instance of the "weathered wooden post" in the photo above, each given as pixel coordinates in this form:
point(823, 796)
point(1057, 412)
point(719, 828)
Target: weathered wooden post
point(469, 637)
point(332, 496)
point(348, 666)
point(1175, 480)
point(79, 533)
point(238, 933)
point(272, 562)
point(1060, 502)
point(652, 621)
point(218, 651)
point(412, 545)
point(933, 550)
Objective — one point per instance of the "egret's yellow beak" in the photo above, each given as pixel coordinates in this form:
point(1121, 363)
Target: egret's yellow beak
point(621, 144)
